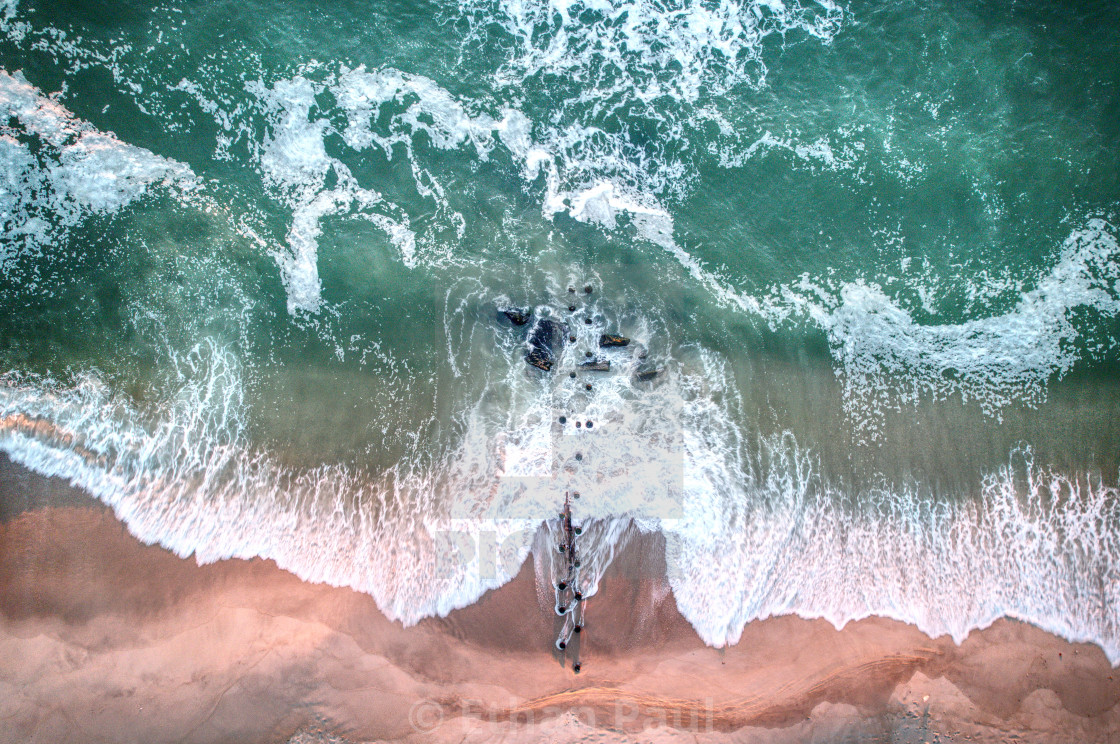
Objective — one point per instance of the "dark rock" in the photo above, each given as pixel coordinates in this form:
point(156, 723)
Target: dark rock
point(587, 289)
point(645, 375)
point(596, 365)
point(609, 340)
point(519, 316)
point(545, 342)
point(539, 359)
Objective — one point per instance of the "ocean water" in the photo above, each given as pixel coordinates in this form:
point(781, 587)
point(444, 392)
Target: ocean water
point(253, 254)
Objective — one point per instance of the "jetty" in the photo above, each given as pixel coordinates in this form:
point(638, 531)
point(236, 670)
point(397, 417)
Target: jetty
point(548, 330)
point(569, 594)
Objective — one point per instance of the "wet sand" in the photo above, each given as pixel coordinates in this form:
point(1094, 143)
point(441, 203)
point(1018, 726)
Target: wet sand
point(103, 638)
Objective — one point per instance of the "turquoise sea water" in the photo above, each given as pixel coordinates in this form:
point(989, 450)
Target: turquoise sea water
point(253, 255)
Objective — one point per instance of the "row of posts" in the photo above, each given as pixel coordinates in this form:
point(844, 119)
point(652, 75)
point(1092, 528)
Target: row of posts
point(569, 598)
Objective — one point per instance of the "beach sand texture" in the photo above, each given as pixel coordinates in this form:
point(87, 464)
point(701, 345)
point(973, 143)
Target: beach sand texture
point(104, 639)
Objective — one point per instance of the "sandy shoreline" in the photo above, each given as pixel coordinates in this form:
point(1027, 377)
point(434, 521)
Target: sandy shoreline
point(105, 639)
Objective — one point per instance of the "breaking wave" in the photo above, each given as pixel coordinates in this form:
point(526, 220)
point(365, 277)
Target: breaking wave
point(753, 530)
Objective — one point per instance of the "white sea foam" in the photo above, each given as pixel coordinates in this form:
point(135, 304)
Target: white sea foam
point(886, 358)
point(681, 49)
point(1033, 545)
point(56, 169)
point(183, 474)
point(102, 174)
point(753, 530)
point(820, 151)
point(23, 185)
point(294, 163)
point(186, 480)
point(650, 67)
point(424, 107)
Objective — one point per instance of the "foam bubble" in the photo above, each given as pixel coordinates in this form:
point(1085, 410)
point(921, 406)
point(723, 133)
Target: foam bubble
point(23, 185)
point(102, 174)
point(615, 71)
point(293, 157)
point(183, 473)
point(294, 162)
point(430, 109)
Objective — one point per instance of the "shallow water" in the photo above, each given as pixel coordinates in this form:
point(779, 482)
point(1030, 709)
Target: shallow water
point(253, 257)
